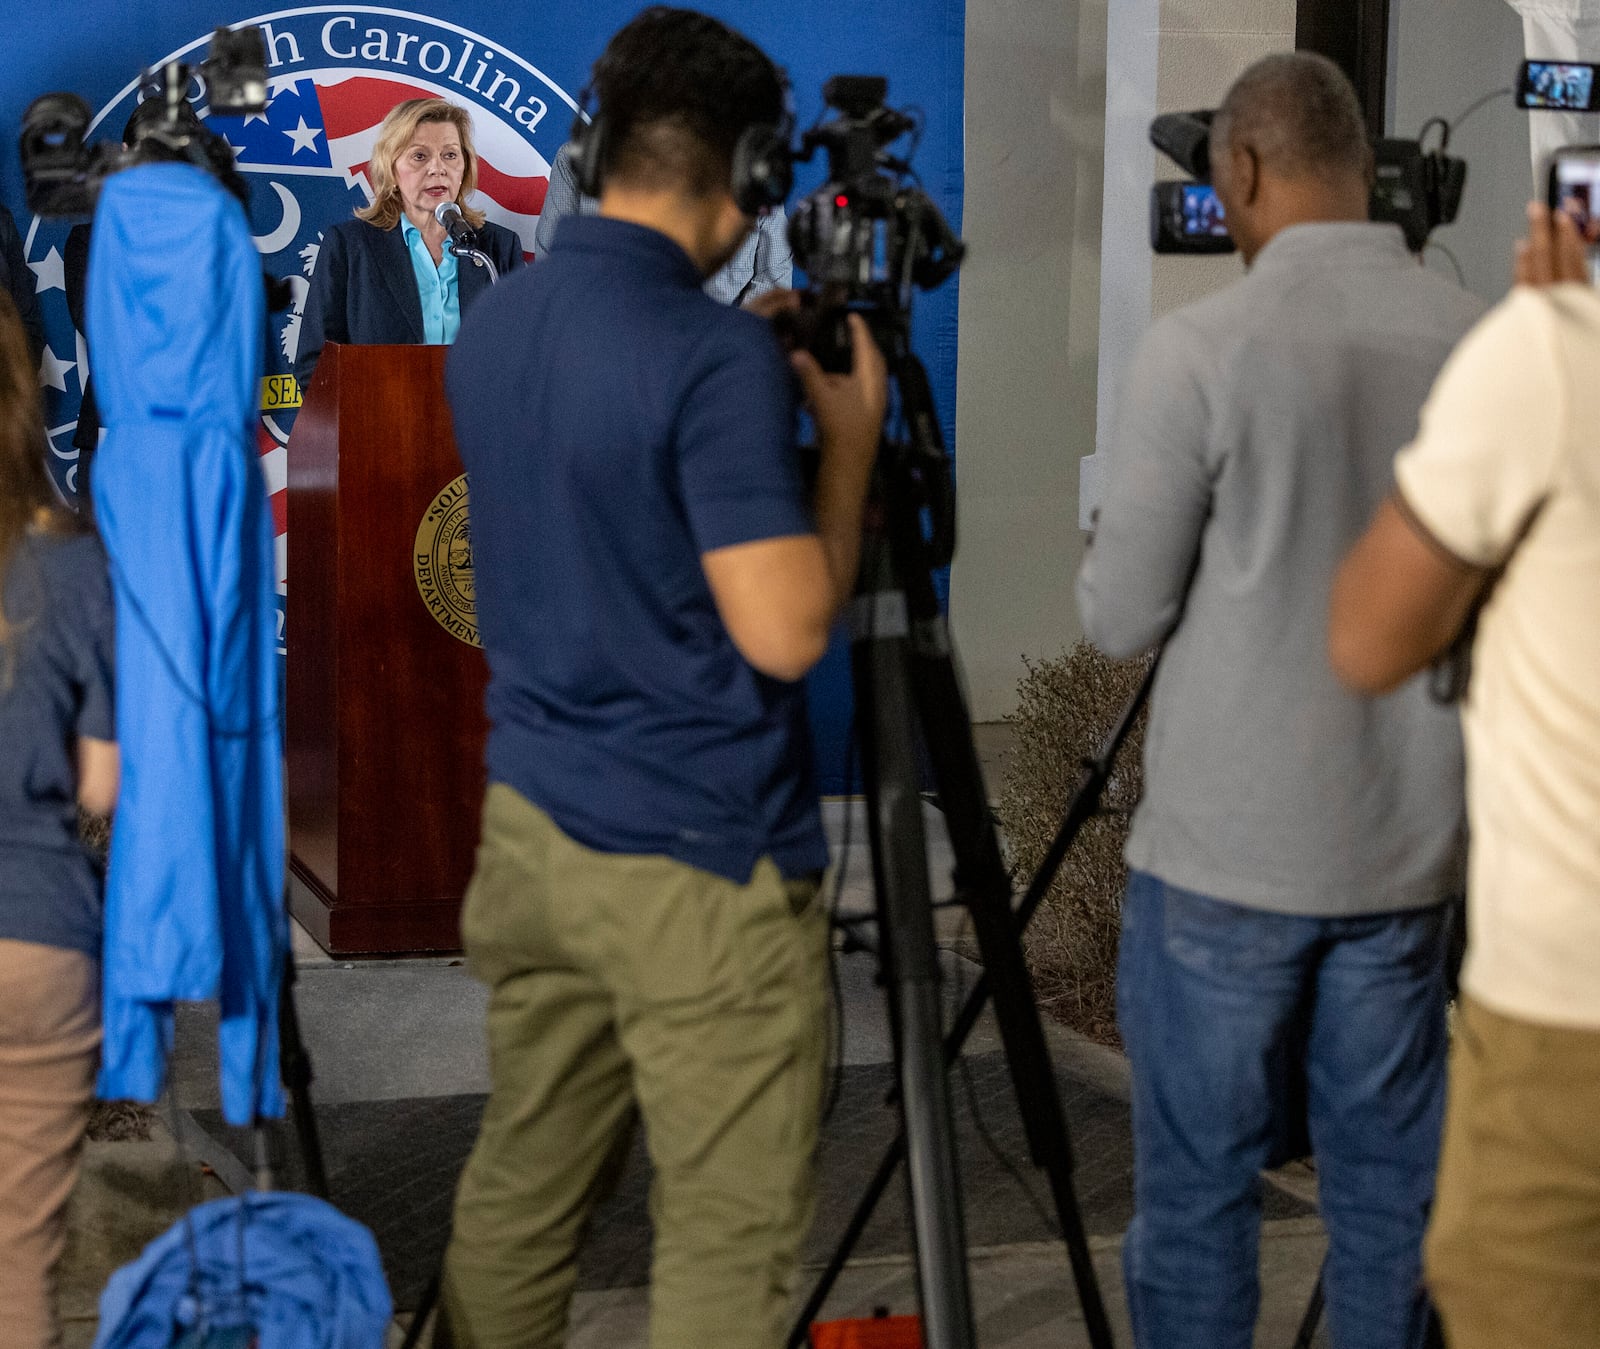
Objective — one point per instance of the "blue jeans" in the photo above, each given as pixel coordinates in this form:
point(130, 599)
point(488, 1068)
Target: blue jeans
point(1233, 1019)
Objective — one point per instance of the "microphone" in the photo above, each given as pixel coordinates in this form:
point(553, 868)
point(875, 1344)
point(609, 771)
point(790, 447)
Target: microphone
point(463, 238)
point(448, 214)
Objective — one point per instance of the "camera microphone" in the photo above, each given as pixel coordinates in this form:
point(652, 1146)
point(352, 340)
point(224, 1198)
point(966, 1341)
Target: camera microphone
point(448, 214)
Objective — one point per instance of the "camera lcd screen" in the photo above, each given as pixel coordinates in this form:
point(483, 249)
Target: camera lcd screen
point(1186, 218)
point(1575, 189)
point(1558, 86)
point(1202, 212)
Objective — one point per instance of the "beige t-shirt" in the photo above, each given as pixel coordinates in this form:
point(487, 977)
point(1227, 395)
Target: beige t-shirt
point(1506, 471)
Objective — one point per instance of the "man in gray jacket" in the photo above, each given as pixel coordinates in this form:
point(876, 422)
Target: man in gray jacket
point(1285, 921)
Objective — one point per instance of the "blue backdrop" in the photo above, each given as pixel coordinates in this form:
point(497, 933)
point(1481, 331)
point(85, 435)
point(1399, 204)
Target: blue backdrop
point(519, 69)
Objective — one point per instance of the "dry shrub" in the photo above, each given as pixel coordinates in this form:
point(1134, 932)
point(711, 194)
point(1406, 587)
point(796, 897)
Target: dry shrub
point(120, 1122)
point(1065, 709)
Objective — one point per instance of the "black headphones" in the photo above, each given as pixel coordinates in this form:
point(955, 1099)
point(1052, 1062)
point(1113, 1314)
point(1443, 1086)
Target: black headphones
point(763, 157)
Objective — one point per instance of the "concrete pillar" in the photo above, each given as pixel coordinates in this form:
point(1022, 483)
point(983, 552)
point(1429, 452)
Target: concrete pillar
point(1036, 97)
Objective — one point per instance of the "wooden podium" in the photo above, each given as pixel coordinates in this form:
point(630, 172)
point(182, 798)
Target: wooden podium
point(385, 682)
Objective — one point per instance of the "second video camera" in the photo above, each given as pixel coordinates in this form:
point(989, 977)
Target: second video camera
point(1416, 189)
point(63, 172)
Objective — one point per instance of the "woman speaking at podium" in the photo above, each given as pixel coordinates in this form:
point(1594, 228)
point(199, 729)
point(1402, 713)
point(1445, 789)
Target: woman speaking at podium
point(389, 275)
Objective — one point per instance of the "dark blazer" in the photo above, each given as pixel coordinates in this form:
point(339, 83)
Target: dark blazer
point(364, 289)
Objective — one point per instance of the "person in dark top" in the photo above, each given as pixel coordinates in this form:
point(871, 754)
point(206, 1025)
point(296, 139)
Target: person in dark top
point(387, 275)
point(651, 584)
point(16, 279)
point(57, 750)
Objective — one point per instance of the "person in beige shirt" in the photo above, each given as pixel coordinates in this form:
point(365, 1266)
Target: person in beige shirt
point(1495, 516)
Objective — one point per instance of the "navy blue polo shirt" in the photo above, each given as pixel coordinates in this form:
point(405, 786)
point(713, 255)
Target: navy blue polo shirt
point(616, 423)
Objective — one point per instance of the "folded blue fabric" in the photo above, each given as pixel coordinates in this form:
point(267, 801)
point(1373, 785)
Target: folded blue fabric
point(290, 1268)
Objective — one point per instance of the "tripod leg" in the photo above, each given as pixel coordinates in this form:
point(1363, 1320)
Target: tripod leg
point(981, 876)
point(1080, 808)
point(419, 1319)
point(1313, 1316)
point(295, 1065)
point(800, 1335)
point(900, 866)
point(982, 880)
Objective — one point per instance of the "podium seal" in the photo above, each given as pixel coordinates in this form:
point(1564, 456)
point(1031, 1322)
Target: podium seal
point(442, 560)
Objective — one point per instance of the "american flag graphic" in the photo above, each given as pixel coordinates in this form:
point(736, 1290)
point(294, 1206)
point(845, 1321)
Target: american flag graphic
point(308, 159)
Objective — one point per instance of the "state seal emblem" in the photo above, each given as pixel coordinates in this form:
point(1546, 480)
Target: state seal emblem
point(442, 560)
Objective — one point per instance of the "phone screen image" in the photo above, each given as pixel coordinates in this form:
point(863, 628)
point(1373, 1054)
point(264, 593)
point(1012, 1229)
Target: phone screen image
point(1575, 190)
point(1564, 86)
point(1202, 212)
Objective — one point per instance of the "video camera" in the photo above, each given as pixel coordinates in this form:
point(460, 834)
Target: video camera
point(1417, 189)
point(63, 172)
point(869, 233)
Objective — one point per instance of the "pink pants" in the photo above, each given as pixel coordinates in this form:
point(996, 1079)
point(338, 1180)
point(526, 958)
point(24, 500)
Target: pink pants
point(49, 1051)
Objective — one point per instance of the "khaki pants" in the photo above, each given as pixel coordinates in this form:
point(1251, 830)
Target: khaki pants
point(49, 1051)
point(623, 984)
point(1513, 1252)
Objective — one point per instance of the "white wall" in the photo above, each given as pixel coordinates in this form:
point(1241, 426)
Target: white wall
point(1060, 283)
point(1559, 30)
point(1443, 56)
point(1163, 56)
point(1035, 78)
point(1204, 46)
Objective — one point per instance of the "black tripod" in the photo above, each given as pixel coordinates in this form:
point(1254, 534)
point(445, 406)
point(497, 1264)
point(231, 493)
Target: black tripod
point(294, 1071)
point(294, 1065)
point(905, 684)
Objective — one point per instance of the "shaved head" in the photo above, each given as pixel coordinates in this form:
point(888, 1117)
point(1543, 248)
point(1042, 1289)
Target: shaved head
point(1300, 116)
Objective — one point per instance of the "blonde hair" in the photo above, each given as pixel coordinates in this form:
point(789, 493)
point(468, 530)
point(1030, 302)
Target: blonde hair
point(398, 130)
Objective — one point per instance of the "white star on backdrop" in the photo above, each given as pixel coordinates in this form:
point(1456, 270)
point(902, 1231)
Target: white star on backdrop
point(50, 273)
point(275, 85)
point(304, 137)
point(53, 371)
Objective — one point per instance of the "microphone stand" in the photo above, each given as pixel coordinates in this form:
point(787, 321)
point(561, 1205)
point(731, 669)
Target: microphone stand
point(462, 249)
point(462, 239)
